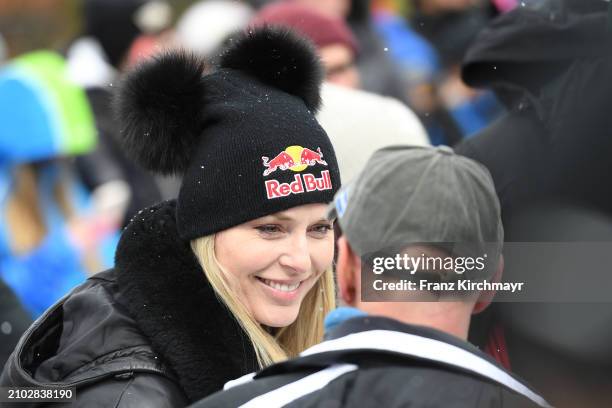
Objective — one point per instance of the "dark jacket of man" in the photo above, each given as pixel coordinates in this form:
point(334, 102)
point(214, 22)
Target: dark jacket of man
point(148, 333)
point(379, 362)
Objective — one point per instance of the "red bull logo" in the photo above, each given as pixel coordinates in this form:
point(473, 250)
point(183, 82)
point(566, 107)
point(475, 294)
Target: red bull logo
point(297, 159)
point(294, 158)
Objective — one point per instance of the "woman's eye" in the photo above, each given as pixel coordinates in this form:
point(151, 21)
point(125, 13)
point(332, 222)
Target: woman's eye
point(269, 229)
point(322, 229)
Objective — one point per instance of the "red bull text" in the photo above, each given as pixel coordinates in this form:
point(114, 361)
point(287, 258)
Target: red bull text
point(301, 183)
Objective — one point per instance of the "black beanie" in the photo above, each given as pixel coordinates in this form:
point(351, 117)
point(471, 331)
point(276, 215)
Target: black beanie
point(244, 138)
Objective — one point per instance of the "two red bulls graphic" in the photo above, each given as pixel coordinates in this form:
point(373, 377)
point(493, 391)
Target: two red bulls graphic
point(284, 161)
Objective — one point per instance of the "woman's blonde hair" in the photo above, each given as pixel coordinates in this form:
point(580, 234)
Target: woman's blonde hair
point(305, 331)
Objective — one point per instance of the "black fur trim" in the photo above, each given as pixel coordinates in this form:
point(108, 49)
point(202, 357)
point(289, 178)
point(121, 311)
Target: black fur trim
point(167, 294)
point(278, 57)
point(158, 106)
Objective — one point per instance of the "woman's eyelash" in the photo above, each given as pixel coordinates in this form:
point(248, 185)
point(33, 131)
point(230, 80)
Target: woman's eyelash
point(327, 227)
point(268, 228)
point(271, 228)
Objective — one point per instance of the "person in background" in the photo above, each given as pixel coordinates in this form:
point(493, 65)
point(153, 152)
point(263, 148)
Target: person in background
point(358, 122)
point(418, 60)
point(550, 114)
point(420, 67)
point(451, 27)
point(409, 349)
point(233, 275)
point(51, 236)
point(378, 72)
point(451, 110)
point(115, 34)
point(335, 43)
point(547, 156)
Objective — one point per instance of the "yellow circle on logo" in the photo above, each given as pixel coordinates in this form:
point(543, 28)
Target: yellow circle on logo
point(296, 154)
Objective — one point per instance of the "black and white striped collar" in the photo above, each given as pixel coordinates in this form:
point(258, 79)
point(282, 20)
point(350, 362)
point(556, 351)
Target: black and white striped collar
point(365, 335)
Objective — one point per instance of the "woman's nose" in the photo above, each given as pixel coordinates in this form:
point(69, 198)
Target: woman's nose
point(296, 258)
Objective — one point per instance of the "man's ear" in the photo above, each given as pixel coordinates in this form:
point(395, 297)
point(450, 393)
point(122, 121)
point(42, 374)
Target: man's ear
point(348, 268)
point(486, 296)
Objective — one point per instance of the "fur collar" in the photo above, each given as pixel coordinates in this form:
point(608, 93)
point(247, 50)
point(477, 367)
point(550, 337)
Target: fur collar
point(166, 292)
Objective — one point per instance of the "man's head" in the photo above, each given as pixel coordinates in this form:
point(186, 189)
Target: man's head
point(334, 40)
point(419, 214)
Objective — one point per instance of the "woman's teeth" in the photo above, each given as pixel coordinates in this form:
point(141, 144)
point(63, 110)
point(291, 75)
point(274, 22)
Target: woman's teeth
point(281, 286)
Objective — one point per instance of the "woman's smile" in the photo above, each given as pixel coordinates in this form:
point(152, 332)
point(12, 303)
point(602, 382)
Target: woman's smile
point(282, 291)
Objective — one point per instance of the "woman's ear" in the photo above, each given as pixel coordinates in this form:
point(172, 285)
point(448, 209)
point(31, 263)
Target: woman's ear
point(348, 268)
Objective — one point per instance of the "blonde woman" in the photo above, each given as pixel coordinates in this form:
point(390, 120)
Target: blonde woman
point(234, 274)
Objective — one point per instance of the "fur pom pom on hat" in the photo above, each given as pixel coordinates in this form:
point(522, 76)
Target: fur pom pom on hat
point(281, 59)
point(243, 137)
point(159, 109)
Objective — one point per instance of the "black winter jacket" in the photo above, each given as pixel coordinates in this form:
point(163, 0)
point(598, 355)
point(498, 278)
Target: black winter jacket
point(552, 67)
point(148, 333)
point(378, 362)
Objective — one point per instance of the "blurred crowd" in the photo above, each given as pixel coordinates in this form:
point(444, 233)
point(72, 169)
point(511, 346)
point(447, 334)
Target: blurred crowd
point(525, 94)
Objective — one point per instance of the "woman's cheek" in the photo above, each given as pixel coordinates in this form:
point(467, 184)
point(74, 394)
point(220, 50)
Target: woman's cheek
point(324, 256)
point(257, 254)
